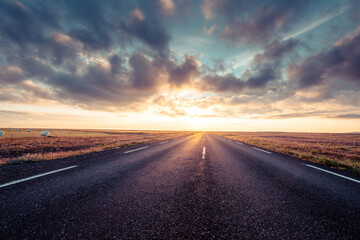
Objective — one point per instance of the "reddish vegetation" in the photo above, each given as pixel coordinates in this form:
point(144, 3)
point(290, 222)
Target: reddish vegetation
point(335, 150)
point(27, 149)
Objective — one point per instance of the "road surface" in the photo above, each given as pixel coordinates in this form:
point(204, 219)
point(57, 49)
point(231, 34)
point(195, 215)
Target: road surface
point(201, 186)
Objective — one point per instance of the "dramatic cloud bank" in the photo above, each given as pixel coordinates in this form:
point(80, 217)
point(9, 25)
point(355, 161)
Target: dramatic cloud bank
point(341, 61)
point(131, 56)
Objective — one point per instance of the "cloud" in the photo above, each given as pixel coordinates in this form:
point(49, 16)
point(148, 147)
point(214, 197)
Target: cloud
point(208, 7)
point(22, 25)
point(66, 52)
point(322, 20)
point(6, 112)
point(296, 115)
point(150, 32)
point(137, 15)
point(184, 72)
point(348, 116)
point(227, 8)
point(96, 26)
point(210, 30)
point(95, 31)
point(276, 50)
point(341, 61)
point(145, 72)
point(167, 6)
point(11, 74)
point(110, 84)
point(116, 56)
point(224, 83)
point(262, 25)
point(253, 22)
point(264, 68)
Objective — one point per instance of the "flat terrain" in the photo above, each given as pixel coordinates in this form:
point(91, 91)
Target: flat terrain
point(201, 186)
point(23, 146)
point(337, 150)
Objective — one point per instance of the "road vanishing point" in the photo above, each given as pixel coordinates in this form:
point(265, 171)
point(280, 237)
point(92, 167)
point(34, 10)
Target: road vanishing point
point(201, 186)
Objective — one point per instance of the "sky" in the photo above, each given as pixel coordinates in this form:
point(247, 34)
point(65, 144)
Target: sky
point(242, 65)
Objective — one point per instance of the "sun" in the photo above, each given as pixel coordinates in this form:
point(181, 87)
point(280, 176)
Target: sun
point(197, 123)
point(196, 118)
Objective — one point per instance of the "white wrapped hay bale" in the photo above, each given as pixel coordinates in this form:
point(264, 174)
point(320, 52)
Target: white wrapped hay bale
point(2, 133)
point(29, 130)
point(45, 134)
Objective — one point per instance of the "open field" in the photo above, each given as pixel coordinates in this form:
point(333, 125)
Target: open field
point(22, 146)
point(340, 151)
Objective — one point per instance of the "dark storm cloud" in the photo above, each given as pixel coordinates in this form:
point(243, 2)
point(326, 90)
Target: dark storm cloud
point(97, 26)
point(250, 22)
point(267, 21)
point(264, 67)
point(149, 30)
point(275, 50)
point(342, 61)
point(145, 72)
point(33, 67)
point(229, 83)
point(117, 64)
point(54, 44)
point(225, 83)
point(105, 23)
point(94, 28)
point(183, 73)
point(91, 40)
point(21, 24)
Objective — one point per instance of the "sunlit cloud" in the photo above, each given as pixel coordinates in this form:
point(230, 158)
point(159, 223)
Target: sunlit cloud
point(199, 63)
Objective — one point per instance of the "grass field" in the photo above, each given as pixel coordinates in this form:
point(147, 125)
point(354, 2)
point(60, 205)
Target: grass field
point(22, 146)
point(340, 151)
point(335, 150)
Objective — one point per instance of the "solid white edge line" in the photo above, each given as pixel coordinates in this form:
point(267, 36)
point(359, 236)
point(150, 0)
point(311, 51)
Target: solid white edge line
point(164, 142)
point(339, 175)
point(239, 143)
point(36, 176)
point(204, 152)
point(262, 150)
point(136, 149)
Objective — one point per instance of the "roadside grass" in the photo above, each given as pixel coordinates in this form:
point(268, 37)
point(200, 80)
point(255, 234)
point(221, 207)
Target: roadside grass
point(18, 150)
point(35, 132)
point(339, 151)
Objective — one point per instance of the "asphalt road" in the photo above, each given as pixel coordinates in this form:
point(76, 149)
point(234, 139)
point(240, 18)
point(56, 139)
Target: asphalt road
point(198, 187)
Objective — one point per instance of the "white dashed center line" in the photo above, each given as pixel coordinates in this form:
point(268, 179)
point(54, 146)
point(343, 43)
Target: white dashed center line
point(204, 152)
point(339, 175)
point(136, 149)
point(164, 142)
point(262, 150)
point(36, 176)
